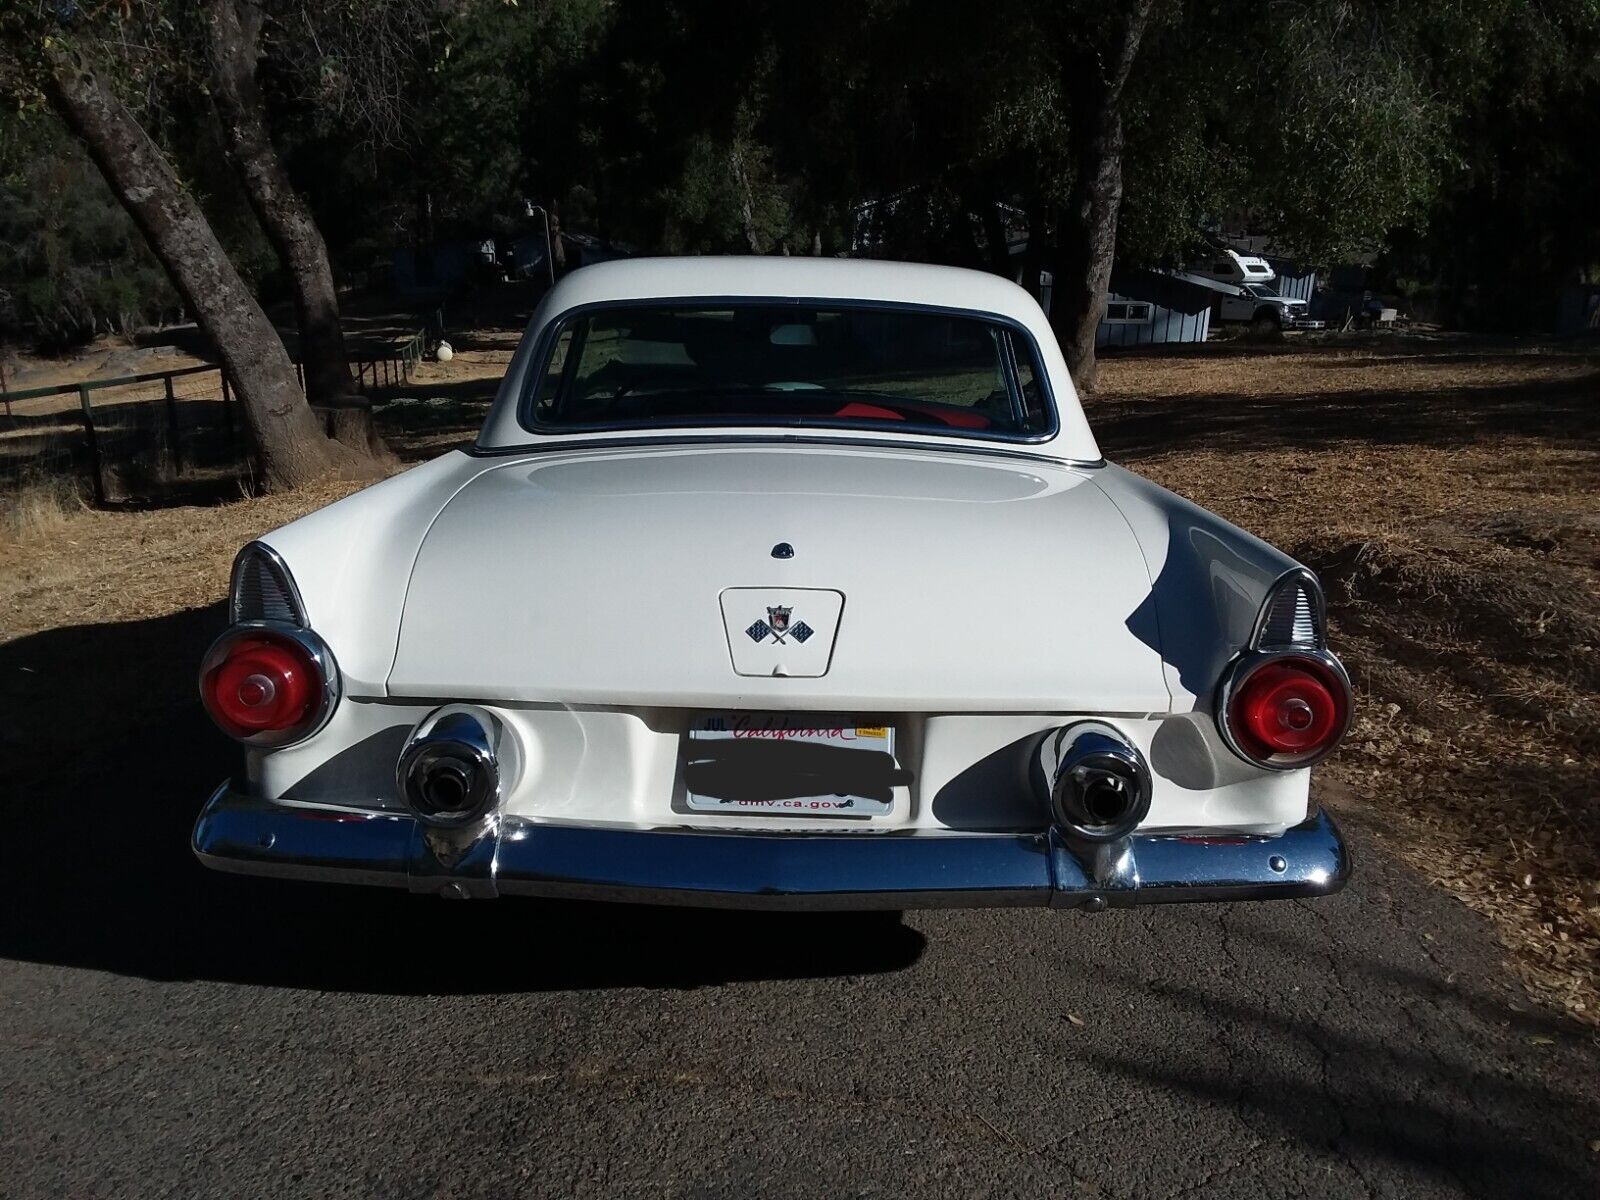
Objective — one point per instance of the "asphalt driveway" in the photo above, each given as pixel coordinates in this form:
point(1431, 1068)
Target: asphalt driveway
point(167, 1031)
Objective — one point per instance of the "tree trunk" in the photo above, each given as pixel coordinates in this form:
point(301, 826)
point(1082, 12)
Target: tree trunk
point(423, 242)
point(293, 447)
point(1087, 239)
point(233, 40)
point(747, 204)
point(557, 248)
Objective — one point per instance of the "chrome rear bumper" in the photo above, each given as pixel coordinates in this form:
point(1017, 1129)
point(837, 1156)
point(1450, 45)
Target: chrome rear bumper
point(252, 836)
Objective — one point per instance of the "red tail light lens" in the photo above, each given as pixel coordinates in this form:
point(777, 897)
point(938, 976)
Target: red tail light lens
point(1288, 710)
point(265, 686)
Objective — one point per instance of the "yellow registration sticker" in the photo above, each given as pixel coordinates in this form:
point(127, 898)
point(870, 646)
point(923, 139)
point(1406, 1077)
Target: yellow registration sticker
point(872, 731)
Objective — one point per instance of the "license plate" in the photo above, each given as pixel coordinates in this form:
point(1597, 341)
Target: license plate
point(790, 764)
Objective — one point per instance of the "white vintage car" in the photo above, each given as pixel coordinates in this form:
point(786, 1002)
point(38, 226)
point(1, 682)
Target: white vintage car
point(778, 582)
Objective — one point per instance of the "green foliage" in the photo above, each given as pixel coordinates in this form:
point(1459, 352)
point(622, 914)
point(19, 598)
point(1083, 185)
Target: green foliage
point(1515, 218)
point(71, 262)
point(503, 117)
point(1354, 135)
point(1439, 130)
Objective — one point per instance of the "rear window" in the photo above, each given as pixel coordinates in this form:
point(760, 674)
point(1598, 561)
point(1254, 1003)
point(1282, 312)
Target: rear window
point(650, 366)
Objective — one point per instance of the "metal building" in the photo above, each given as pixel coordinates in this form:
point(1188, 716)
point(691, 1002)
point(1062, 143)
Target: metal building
point(1293, 281)
point(1146, 308)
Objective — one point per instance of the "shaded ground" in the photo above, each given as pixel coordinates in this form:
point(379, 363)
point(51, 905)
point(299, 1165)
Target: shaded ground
point(169, 1030)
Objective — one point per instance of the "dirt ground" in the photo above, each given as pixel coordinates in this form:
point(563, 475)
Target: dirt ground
point(1444, 489)
point(1448, 494)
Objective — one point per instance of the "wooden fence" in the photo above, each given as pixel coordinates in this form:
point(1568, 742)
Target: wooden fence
point(227, 439)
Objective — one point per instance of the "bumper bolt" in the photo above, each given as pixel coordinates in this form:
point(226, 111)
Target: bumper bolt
point(1277, 864)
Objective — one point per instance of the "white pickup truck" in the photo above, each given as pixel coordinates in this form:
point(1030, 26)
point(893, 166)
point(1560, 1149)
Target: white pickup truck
point(1263, 309)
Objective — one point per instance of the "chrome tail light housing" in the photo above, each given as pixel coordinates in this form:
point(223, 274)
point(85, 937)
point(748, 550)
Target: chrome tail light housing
point(268, 681)
point(261, 589)
point(1286, 702)
point(269, 684)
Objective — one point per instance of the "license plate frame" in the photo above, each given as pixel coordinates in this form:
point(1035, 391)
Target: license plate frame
point(727, 770)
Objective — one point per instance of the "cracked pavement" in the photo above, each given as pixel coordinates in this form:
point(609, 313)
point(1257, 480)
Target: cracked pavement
point(169, 1031)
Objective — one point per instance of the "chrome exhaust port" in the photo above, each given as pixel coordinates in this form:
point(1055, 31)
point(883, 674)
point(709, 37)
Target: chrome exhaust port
point(1099, 783)
point(449, 772)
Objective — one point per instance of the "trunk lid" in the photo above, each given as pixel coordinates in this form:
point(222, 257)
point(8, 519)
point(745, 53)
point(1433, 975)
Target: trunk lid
point(647, 576)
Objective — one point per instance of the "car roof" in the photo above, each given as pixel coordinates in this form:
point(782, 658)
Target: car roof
point(793, 278)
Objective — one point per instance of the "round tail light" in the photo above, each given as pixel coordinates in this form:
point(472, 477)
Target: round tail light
point(267, 686)
point(1286, 710)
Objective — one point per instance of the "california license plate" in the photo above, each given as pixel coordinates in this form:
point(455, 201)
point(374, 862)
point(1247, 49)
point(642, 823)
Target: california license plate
point(790, 764)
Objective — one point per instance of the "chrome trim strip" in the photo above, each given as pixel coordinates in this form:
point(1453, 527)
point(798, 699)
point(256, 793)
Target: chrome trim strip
point(254, 836)
point(670, 439)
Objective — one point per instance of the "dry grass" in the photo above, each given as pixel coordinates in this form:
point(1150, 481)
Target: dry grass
point(1446, 493)
point(93, 568)
point(41, 506)
point(63, 565)
point(1448, 500)
point(1302, 369)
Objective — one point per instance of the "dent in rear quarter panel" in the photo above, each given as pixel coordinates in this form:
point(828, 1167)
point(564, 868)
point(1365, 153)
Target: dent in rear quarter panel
point(1209, 579)
point(352, 560)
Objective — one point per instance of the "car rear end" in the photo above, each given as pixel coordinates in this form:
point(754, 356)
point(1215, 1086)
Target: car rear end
point(729, 801)
point(750, 597)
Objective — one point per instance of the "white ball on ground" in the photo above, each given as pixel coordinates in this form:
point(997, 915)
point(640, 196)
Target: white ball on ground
point(445, 352)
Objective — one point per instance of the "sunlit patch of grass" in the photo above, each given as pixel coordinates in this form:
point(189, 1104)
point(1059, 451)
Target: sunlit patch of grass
point(40, 507)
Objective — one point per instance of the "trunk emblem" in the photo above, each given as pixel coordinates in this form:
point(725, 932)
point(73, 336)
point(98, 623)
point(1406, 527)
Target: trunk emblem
point(778, 628)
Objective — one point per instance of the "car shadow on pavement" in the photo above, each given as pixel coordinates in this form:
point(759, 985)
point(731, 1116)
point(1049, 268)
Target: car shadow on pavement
point(107, 757)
